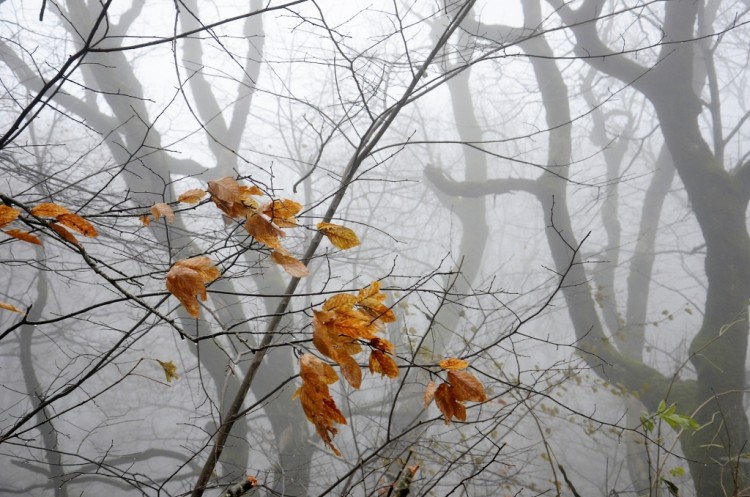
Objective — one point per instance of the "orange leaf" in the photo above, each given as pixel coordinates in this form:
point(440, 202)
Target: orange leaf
point(329, 343)
point(291, 264)
point(77, 223)
point(23, 235)
point(187, 278)
point(9, 307)
point(160, 209)
point(316, 400)
point(192, 196)
point(250, 190)
point(451, 363)
point(64, 234)
point(429, 393)
point(382, 345)
point(466, 387)
point(343, 300)
point(370, 300)
point(49, 210)
point(8, 215)
point(263, 230)
point(445, 401)
point(340, 236)
point(145, 219)
point(383, 364)
point(313, 369)
point(282, 212)
point(225, 193)
point(351, 370)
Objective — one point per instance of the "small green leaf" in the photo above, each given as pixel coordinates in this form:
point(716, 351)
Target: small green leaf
point(170, 370)
point(677, 471)
point(647, 422)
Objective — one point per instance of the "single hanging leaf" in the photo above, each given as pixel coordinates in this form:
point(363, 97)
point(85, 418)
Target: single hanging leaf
point(49, 210)
point(382, 363)
point(192, 196)
point(8, 215)
point(445, 401)
point(429, 393)
point(466, 387)
point(24, 236)
point(170, 370)
point(282, 212)
point(12, 308)
point(263, 230)
point(64, 234)
point(453, 364)
point(225, 193)
point(340, 236)
point(145, 219)
point(291, 264)
point(187, 278)
point(370, 300)
point(77, 223)
point(160, 209)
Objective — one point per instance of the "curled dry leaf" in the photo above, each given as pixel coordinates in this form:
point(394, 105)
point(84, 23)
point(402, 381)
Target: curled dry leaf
point(340, 236)
point(8, 215)
point(49, 210)
point(77, 223)
point(453, 364)
point(145, 219)
point(225, 193)
point(187, 279)
point(24, 236)
point(64, 234)
point(170, 370)
point(192, 196)
point(160, 209)
point(264, 230)
point(291, 264)
point(429, 393)
point(10, 307)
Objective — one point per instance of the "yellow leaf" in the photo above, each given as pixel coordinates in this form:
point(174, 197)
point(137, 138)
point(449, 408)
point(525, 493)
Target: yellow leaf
point(340, 300)
point(192, 196)
point(9, 307)
point(170, 370)
point(282, 212)
point(49, 210)
point(452, 364)
point(370, 300)
point(77, 223)
point(160, 209)
point(187, 278)
point(8, 215)
point(340, 236)
point(466, 387)
point(291, 264)
point(23, 235)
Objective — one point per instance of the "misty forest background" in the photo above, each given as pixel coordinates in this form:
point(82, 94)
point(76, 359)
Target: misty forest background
point(555, 192)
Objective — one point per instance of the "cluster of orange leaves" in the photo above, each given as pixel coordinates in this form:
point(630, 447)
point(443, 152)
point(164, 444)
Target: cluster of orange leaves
point(265, 222)
point(460, 386)
point(340, 329)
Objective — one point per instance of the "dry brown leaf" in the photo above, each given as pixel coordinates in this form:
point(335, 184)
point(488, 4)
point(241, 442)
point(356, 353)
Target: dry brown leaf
point(24, 236)
point(383, 363)
point(453, 364)
point(8, 215)
point(429, 393)
point(351, 370)
point(282, 212)
point(145, 219)
point(10, 307)
point(77, 223)
point(445, 401)
point(370, 300)
point(188, 277)
point(466, 387)
point(192, 196)
point(225, 193)
point(160, 209)
point(263, 230)
point(340, 300)
point(64, 234)
point(49, 210)
point(291, 264)
point(340, 236)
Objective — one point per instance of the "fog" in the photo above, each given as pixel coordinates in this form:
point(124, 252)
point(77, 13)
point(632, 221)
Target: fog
point(553, 192)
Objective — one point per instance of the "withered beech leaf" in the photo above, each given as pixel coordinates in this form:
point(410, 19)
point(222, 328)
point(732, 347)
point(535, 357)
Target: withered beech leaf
point(64, 234)
point(192, 196)
point(24, 236)
point(370, 300)
point(10, 307)
point(145, 219)
point(381, 362)
point(466, 387)
point(429, 393)
point(340, 236)
point(445, 401)
point(77, 223)
point(225, 193)
point(170, 370)
point(187, 279)
point(8, 215)
point(264, 230)
point(48, 209)
point(289, 263)
point(453, 364)
point(282, 212)
point(160, 209)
